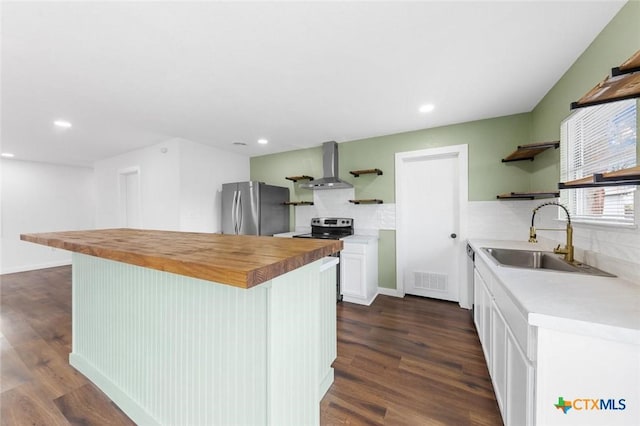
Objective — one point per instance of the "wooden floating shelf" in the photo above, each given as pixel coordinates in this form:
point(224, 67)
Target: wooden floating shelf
point(297, 178)
point(632, 173)
point(298, 203)
point(367, 201)
point(528, 195)
point(611, 89)
point(357, 173)
point(624, 83)
point(630, 65)
point(630, 176)
point(527, 152)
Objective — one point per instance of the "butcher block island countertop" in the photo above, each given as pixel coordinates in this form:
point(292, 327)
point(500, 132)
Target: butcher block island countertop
point(182, 328)
point(239, 260)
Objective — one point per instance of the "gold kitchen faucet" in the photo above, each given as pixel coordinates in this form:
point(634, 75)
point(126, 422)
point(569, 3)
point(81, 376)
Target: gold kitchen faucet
point(567, 250)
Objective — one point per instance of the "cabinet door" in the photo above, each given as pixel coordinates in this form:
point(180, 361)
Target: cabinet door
point(520, 381)
point(499, 357)
point(482, 315)
point(353, 274)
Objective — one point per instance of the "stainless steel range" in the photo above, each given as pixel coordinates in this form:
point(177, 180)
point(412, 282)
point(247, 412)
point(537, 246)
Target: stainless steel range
point(332, 228)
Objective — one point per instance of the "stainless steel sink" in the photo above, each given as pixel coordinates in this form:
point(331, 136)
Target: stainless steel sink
point(544, 260)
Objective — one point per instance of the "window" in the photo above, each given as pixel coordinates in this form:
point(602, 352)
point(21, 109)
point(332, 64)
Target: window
point(599, 139)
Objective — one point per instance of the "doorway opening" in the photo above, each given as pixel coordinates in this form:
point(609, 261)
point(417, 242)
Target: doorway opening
point(129, 198)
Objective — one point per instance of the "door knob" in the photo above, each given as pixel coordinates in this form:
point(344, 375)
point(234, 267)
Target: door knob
point(453, 235)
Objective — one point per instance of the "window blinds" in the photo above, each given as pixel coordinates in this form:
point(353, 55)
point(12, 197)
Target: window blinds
point(596, 140)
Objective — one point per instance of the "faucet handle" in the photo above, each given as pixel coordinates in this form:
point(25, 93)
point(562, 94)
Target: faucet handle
point(559, 250)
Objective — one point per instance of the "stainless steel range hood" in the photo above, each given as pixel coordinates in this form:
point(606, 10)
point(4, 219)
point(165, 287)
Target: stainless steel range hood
point(330, 179)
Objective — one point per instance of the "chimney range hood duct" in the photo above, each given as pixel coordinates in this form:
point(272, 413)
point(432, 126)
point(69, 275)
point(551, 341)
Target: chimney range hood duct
point(330, 169)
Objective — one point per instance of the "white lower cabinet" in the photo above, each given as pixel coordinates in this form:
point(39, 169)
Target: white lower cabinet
point(536, 357)
point(512, 373)
point(520, 385)
point(482, 315)
point(499, 356)
point(353, 274)
point(359, 271)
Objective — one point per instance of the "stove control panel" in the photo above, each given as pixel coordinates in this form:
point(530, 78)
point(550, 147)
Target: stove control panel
point(332, 221)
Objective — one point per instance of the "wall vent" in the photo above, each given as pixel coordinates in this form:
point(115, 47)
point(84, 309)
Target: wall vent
point(431, 281)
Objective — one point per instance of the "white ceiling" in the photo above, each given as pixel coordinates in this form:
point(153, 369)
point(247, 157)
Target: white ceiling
point(128, 75)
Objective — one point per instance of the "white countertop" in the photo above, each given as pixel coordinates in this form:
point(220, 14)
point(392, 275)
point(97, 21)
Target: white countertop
point(603, 307)
point(288, 234)
point(359, 239)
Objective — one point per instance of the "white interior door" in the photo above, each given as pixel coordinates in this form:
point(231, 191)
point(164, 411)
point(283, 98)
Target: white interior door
point(130, 198)
point(430, 191)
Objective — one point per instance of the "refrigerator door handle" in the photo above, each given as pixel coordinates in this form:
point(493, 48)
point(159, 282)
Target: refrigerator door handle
point(234, 219)
point(239, 216)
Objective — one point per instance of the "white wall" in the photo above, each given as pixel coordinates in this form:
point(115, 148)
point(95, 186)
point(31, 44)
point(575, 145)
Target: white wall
point(38, 197)
point(159, 167)
point(180, 183)
point(203, 170)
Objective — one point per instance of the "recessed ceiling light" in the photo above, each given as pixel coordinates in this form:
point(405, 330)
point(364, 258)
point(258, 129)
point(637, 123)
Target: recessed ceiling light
point(426, 108)
point(263, 141)
point(62, 123)
point(7, 155)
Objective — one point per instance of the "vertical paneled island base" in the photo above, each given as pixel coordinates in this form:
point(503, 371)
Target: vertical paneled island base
point(170, 349)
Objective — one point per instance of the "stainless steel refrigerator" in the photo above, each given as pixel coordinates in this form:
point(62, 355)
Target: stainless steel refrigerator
point(254, 208)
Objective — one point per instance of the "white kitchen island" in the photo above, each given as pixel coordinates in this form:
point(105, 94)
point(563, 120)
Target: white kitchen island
point(172, 349)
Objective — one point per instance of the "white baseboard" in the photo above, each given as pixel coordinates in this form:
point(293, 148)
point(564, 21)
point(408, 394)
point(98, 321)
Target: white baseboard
point(130, 407)
point(465, 305)
point(389, 292)
point(25, 268)
point(358, 300)
point(326, 383)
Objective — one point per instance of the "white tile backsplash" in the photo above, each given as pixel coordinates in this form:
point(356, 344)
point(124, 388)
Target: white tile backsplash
point(386, 216)
point(333, 202)
point(615, 250)
point(367, 218)
point(500, 220)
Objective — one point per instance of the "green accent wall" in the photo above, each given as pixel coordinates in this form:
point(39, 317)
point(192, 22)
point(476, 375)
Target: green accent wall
point(615, 44)
point(488, 140)
point(387, 259)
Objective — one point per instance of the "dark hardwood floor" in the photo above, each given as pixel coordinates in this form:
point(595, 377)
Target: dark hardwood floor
point(410, 361)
